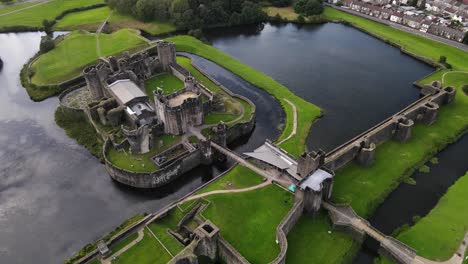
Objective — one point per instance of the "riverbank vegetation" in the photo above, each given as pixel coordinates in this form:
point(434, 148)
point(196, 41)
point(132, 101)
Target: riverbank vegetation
point(33, 15)
point(80, 49)
point(307, 112)
point(438, 235)
point(78, 128)
point(91, 20)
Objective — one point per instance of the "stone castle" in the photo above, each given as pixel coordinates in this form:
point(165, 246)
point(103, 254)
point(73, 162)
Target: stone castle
point(118, 84)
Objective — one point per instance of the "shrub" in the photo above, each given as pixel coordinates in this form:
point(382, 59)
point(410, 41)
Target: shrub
point(465, 89)
point(47, 44)
point(308, 7)
point(300, 19)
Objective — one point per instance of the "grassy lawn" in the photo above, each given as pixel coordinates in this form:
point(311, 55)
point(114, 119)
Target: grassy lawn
point(286, 13)
point(34, 16)
point(248, 220)
point(141, 162)
point(147, 251)
point(239, 177)
point(78, 50)
point(91, 20)
point(187, 64)
point(122, 243)
point(438, 235)
point(213, 118)
point(309, 240)
point(307, 112)
point(11, 8)
point(166, 81)
point(170, 221)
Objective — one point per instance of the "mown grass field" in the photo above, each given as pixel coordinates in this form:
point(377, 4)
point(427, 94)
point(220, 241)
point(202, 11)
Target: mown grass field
point(91, 20)
point(11, 8)
point(438, 235)
point(307, 112)
point(78, 50)
point(237, 178)
point(167, 82)
point(248, 220)
point(147, 251)
point(34, 16)
point(141, 162)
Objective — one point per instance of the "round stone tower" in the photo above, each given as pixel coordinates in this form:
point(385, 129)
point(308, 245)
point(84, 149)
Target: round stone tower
point(93, 82)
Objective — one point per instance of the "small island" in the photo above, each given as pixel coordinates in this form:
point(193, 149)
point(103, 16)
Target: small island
point(155, 118)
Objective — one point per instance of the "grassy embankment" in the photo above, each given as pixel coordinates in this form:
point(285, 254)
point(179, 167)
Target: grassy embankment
point(238, 177)
point(307, 112)
point(438, 235)
point(394, 160)
point(147, 251)
point(248, 220)
point(78, 50)
point(90, 20)
point(141, 162)
point(77, 127)
point(33, 17)
point(92, 246)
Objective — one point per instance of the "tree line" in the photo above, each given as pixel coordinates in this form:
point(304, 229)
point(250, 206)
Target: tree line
point(193, 14)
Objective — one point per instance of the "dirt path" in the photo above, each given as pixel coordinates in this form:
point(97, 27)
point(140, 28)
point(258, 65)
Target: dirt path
point(21, 9)
point(293, 132)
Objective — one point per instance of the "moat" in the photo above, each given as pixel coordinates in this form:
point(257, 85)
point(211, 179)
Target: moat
point(65, 202)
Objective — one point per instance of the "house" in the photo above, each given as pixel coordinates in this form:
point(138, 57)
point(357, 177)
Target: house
point(385, 14)
point(375, 11)
point(356, 6)
point(347, 3)
point(412, 21)
point(396, 17)
point(446, 32)
point(366, 9)
point(425, 25)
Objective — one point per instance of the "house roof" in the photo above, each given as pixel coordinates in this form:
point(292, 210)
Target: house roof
point(126, 91)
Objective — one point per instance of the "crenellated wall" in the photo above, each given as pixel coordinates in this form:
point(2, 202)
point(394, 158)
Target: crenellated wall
point(362, 147)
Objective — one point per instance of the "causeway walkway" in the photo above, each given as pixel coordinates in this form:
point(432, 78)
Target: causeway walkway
point(345, 216)
point(293, 132)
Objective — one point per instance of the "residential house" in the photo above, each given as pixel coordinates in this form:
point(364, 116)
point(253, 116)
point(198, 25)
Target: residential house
point(446, 32)
point(396, 17)
point(385, 14)
point(412, 21)
point(426, 23)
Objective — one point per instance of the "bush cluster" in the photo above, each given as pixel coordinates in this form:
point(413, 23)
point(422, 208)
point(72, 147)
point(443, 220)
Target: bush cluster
point(308, 7)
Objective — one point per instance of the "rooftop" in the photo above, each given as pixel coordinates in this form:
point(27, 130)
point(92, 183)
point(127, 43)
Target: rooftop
point(126, 91)
point(314, 181)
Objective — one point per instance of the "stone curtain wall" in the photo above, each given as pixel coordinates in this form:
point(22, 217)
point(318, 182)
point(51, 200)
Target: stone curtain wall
point(283, 229)
point(229, 254)
point(154, 179)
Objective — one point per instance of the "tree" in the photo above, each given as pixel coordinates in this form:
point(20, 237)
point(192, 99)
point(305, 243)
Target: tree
point(281, 3)
point(48, 24)
point(144, 10)
point(47, 44)
point(6, 1)
point(251, 13)
point(465, 39)
point(308, 7)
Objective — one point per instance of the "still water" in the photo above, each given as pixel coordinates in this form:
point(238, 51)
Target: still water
point(54, 196)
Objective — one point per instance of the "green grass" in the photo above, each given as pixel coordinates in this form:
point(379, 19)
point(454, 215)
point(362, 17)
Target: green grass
point(141, 162)
point(213, 118)
point(34, 16)
point(124, 242)
point(166, 81)
point(12, 8)
point(309, 240)
point(438, 235)
point(248, 220)
point(91, 20)
point(412, 43)
point(307, 112)
point(239, 177)
point(147, 251)
point(78, 50)
point(187, 64)
point(78, 128)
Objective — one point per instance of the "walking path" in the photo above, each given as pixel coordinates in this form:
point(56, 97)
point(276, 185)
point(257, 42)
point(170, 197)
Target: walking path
point(122, 250)
point(98, 31)
point(293, 132)
point(443, 75)
point(198, 196)
point(21, 9)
